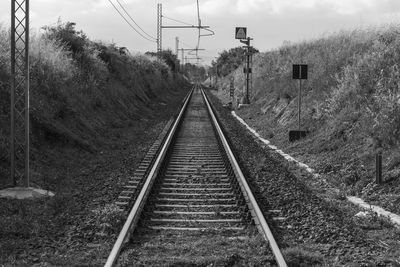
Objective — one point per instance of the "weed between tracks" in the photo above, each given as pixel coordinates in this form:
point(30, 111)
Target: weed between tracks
point(205, 248)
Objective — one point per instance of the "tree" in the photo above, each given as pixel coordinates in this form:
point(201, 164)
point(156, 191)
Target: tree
point(194, 72)
point(168, 57)
point(229, 61)
point(66, 34)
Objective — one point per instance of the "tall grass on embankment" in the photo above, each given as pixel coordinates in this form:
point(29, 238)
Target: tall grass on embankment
point(80, 88)
point(350, 103)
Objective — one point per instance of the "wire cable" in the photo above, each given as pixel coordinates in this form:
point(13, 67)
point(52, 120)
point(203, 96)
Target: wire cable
point(119, 12)
point(179, 21)
point(187, 45)
point(126, 12)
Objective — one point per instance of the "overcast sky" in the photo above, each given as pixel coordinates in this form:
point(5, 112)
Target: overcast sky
point(269, 22)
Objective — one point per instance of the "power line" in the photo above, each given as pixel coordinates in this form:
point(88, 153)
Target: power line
point(130, 23)
point(126, 12)
point(187, 45)
point(179, 21)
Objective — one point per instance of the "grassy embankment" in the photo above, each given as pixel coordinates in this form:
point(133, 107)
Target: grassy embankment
point(95, 110)
point(350, 106)
point(80, 88)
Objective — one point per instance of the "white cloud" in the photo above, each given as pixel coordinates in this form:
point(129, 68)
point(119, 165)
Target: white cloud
point(347, 7)
point(247, 7)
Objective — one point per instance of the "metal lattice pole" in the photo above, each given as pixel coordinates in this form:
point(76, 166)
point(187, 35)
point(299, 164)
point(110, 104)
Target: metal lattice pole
point(20, 92)
point(159, 30)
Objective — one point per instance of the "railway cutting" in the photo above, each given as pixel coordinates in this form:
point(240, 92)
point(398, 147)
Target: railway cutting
point(195, 206)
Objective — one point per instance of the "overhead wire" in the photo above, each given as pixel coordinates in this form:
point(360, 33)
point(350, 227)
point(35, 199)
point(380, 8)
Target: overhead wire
point(187, 45)
point(119, 12)
point(199, 27)
point(179, 21)
point(127, 13)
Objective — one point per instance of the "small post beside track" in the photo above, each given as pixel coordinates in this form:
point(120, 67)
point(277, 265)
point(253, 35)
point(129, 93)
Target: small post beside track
point(378, 168)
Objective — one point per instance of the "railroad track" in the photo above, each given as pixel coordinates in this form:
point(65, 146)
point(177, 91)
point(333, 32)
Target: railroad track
point(195, 186)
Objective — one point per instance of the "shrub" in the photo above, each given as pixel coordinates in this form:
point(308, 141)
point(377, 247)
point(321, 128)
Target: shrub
point(50, 61)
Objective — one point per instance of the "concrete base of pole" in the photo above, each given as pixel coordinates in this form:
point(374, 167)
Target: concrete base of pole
point(297, 135)
point(25, 193)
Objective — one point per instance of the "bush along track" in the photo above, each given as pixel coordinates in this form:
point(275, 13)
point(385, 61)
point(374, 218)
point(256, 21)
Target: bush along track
point(311, 230)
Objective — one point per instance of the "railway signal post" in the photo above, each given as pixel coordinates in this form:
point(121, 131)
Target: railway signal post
point(300, 72)
point(19, 132)
point(232, 90)
point(241, 34)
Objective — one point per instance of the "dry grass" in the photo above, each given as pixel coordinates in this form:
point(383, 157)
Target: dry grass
point(350, 103)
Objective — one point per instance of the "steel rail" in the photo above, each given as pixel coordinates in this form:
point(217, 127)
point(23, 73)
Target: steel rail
point(251, 201)
point(137, 208)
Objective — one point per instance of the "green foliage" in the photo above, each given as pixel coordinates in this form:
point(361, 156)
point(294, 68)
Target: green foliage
point(92, 69)
point(370, 86)
point(194, 72)
point(229, 61)
point(169, 58)
point(50, 62)
point(75, 41)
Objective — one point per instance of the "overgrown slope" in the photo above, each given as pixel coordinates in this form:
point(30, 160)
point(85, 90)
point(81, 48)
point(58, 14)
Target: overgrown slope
point(81, 88)
point(350, 105)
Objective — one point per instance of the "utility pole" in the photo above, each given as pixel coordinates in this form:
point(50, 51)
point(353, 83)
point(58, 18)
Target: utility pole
point(159, 31)
point(216, 77)
point(176, 46)
point(19, 132)
point(183, 55)
point(20, 92)
point(160, 27)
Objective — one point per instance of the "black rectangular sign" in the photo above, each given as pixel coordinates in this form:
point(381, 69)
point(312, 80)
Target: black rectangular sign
point(300, 71)
point(245, 70)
